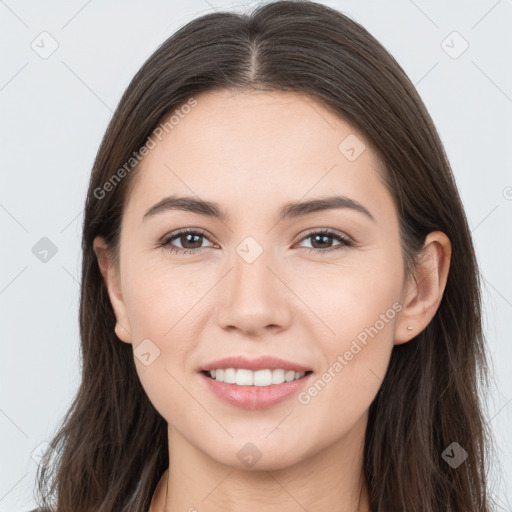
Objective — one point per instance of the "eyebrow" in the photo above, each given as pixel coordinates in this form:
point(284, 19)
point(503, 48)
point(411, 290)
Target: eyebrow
point(291, 209)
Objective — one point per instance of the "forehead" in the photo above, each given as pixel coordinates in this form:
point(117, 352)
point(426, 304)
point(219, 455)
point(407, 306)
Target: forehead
point(256, 147)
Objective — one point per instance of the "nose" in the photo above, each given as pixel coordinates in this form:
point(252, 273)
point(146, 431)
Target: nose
point(254, 299)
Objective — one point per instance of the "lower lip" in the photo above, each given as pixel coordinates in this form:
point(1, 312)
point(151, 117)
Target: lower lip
point(255, 397)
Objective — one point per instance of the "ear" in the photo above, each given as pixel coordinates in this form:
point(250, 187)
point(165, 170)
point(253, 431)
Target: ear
point(110, 272)
point(423, 294)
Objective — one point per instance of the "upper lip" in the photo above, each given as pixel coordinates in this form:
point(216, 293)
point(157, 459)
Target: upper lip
point(256, 363)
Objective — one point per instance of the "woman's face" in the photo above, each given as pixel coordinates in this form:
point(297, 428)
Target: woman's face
point(257, 283)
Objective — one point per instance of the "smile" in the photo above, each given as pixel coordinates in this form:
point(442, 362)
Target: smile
point(245, 377)
point(251, 389)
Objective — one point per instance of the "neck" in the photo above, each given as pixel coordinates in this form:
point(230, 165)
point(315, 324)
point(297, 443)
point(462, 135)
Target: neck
point(331, 479)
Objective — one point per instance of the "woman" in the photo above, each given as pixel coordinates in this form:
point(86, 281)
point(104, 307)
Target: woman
point(280, 304)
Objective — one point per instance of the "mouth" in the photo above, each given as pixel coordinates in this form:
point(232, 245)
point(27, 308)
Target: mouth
point(260, 389)
point(257, 378)
point(249, 382)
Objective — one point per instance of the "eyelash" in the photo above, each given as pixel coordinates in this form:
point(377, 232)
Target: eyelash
point(345, 241)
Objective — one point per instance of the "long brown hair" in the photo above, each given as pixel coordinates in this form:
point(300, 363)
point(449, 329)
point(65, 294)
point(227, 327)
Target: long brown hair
point(111, 449)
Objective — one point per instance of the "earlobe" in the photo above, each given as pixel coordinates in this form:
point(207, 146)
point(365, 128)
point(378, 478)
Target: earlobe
point(424, 292)
point(122, 333)
point(110, 272)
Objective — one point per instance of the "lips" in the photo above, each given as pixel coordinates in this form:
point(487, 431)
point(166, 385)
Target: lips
point(258, 363)
point(262, 395)
point(254, 397)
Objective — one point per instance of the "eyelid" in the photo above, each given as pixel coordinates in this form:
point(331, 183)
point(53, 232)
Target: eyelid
point(327, 231)
point(173, 235)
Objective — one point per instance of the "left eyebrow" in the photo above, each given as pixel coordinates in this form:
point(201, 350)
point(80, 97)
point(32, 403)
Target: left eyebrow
point(291, 209)
point(295, 209)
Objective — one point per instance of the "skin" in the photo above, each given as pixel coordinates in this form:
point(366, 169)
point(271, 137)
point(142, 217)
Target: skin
point(252, 152)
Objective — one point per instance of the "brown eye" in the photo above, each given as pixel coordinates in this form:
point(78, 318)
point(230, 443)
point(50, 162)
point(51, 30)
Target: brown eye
point(190, 241)
point(322, 241)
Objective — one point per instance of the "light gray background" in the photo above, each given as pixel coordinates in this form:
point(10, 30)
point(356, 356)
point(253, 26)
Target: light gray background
point(54, 112)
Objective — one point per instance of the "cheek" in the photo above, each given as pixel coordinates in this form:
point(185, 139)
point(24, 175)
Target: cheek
point(160, 297)
point(346, 298)
point(344, 388)
point(163, 304)
point(359, 308)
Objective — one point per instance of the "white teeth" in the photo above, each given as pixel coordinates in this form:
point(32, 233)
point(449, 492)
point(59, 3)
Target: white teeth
point(289, 376)
point(263, 378)
point(277, 376)
point(229, 375)
point(244, 377)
